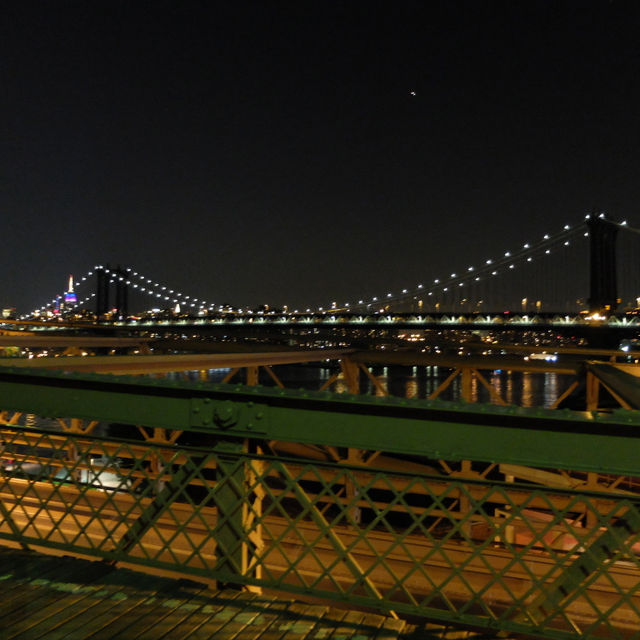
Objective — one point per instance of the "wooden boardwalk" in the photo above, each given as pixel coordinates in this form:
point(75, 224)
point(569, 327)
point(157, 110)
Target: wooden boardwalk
point(52, 598)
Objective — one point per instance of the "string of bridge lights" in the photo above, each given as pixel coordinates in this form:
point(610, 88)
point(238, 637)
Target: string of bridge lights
point(491, 268)
point(137, 281)
point(156, 290)
point(79, 303)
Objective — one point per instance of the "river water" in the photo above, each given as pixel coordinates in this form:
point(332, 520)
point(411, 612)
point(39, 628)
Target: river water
point(517, 388)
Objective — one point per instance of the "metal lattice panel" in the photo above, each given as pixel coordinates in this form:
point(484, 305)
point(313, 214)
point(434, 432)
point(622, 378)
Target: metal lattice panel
point(517, 557)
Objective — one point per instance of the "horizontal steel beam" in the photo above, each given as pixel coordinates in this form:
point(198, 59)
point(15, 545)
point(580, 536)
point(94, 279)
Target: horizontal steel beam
point(608, 443)
point(181, 362)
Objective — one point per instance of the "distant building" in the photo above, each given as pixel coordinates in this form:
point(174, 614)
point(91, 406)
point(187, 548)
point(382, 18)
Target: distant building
point(70, 295)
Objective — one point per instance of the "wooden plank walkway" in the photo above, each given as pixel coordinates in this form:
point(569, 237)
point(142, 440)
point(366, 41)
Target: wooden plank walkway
point(54, 598)
point(57, 598)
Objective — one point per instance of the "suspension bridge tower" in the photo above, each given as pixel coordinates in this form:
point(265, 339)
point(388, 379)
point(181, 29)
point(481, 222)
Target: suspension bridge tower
point(105, 277)
point(603, 290)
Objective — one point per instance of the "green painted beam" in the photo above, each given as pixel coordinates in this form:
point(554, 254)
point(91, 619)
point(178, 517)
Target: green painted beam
point(627, 386)
point(537, 437)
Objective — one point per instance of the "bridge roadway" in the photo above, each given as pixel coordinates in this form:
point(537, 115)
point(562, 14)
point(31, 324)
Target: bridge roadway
point(346, 317)
point(576, 323)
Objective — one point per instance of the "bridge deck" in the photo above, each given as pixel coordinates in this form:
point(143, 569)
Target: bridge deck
point(53, 597)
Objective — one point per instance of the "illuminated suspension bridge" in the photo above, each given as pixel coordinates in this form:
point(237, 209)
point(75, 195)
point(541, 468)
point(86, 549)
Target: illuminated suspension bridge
point(584, 267)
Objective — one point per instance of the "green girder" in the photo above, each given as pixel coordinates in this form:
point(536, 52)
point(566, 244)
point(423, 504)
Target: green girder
point(585, 441)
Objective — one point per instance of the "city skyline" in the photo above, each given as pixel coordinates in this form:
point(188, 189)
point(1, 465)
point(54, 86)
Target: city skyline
point(303, 153)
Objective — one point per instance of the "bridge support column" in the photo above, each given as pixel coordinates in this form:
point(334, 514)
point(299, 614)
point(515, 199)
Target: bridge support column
point(104, 278)
point(122, 295)
point(466, 386)
point(593, 392)
point(230, 533)
point(102, 292)
point(351, 375)
point(603, 294)
point(252, 376)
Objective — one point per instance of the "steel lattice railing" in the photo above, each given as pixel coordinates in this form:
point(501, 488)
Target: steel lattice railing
point(521, 558)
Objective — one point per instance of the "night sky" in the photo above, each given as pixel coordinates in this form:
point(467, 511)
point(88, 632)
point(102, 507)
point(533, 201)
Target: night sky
point(303, 152)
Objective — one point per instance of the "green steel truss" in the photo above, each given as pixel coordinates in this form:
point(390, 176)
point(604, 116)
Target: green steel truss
point(588, 441)
point(525, 558)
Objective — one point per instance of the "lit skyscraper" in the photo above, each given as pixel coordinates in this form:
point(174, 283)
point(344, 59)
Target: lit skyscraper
point(70, 295)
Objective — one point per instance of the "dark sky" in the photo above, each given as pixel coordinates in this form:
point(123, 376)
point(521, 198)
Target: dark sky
point(251, 152)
